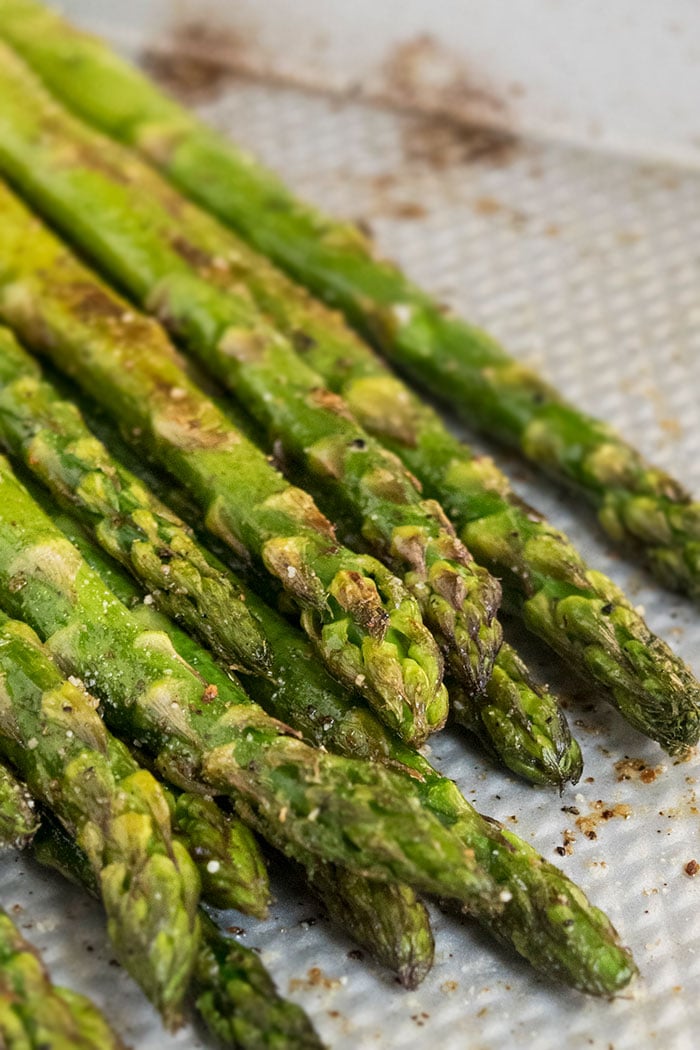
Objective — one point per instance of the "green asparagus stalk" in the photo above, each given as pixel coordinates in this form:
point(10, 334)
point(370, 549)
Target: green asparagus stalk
point(239, 1002)
point(233, 991)
point(142, 533)
point(387, 919)
point(519, 722)
point(227, 856)
point(636, 502)
point(47, 432)
point(379, 907)
point(188, 584)
point(364, 622)
point(152, 258)
point(530, 887)
point(34, 1014)
point(576, 610)
point(50, 731)
point(619, 650)
point(18, 819)
point(213, 738)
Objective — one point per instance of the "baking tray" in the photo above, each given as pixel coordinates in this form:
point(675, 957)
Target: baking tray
point(587, 265)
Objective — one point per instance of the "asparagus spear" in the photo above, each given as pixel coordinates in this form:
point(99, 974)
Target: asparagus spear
point(387, 919)
point(51, 732)
point(636, 501)
point(458, 598)
point(227, 856)
point(559, 962)
point(34, 1014)
point(618, 649)
point(530, 887)
point(239, 1002)
point(517, 720)
point(142, 533)
point(365, 624)
point(345, 898)
point(46, 431)
point(213, 738)
point(233, 991)
point(577, 611)
point(18, 820)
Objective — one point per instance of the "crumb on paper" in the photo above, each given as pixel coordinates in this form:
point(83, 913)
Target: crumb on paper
point(637, 769)
point(405, 209)
point(420, 1018)
point(692, 868)
point(487, 206)
point(601, 812)
point(568, 839)
point(315, 978)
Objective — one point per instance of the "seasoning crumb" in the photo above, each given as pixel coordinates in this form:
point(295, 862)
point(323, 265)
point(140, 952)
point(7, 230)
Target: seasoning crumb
point(637, 769)
point(601, 811)
point(691, 868)
point(315, 978)
point(420, 1019)
point(408, 210)
point(565, 850)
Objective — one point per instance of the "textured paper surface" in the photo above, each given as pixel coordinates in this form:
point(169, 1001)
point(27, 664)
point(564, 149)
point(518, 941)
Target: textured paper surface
point(589, 267)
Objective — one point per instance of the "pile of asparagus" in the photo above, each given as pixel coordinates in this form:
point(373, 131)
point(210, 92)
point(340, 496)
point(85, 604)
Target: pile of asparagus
point(163, 706)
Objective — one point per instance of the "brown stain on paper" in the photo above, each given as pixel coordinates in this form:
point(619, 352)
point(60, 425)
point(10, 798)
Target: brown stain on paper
point(423, 73)
point(440, 143)
point(196, 59)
